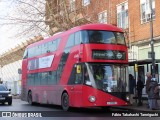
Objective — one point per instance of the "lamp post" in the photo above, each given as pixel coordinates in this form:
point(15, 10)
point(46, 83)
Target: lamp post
point(152, 40)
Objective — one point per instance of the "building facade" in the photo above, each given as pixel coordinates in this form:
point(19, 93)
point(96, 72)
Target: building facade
point(133, 16)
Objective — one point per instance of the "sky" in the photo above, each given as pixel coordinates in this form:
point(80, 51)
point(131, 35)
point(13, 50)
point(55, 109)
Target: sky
point(8, 34)
point(6, 39)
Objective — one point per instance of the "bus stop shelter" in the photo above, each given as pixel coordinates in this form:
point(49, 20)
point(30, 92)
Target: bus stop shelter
point(141, 67)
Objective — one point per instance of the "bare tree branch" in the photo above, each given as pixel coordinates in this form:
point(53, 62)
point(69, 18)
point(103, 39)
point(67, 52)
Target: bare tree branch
point(31, 16)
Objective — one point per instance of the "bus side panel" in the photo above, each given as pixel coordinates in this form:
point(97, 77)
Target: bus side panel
point(75, 90)
point(72, 59)
point(75, 95)
point(24, 80)
point(59, 52)
point(46, 94)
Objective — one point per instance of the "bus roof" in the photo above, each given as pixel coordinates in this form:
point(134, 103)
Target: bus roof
point(96, 26)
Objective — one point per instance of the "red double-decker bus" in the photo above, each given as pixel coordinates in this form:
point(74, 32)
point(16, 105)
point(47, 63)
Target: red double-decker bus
point(82, 67)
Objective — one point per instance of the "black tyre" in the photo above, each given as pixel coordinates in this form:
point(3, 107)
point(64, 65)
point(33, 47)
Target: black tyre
point(10, 102)
point(65, 101)
point(30, 98)
point(106, 108)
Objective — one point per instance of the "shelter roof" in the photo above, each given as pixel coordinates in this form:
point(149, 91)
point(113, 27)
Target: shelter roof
point(142, 62)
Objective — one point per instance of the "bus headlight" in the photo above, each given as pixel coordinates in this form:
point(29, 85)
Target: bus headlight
point(92, 99)
point(127, 98)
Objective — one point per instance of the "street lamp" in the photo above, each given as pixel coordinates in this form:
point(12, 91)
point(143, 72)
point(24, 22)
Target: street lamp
point(152, 40)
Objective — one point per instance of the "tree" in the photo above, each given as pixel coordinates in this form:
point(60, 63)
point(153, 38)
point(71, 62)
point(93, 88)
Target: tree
point(32, 17)
point(26, 17)
point(62, 15)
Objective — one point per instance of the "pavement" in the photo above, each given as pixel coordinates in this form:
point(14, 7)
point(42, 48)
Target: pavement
point(143, 108)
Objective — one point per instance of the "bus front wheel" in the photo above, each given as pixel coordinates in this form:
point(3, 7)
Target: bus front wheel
point(30, 98)
point(65, 101)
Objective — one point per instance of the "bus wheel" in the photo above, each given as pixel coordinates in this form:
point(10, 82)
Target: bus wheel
point(30, 98)
point(10, 102)
point(65, 101)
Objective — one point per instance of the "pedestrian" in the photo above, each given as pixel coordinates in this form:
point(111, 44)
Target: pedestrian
point(148, 74)
point(132, 84)
point(140, 86)
point(153, 94)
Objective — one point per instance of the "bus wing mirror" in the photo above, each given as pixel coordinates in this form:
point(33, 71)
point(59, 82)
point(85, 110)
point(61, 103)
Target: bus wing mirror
point(78, 69)
point(19, 71)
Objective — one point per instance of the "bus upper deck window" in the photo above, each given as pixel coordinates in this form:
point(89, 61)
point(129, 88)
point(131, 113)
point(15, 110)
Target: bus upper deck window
point(120, 38)
point(95, 36)
point(84, 37)
point(25, 54)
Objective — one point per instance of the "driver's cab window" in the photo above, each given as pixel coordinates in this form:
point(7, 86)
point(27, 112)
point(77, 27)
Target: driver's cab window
point(78, 79)
point(86, 77)
point(25, 54)
point(76, 75)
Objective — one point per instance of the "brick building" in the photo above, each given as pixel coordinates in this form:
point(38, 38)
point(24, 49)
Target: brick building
point(133, 16)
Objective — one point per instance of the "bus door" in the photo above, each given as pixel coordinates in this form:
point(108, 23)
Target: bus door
point(75, 83)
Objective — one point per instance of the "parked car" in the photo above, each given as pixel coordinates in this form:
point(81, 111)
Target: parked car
point(5, 95)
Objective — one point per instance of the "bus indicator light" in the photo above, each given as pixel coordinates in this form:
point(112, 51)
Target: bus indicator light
point(78, 69)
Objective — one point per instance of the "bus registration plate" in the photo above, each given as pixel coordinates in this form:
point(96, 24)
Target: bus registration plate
point(111, 103)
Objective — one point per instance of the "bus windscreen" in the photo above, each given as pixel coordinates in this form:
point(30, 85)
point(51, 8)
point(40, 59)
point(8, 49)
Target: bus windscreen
point(103, 37)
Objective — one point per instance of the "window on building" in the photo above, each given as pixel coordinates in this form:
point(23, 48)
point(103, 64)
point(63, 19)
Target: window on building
point(85, 2)
point(145, 10)
point(72, 5)
point(122, 15)
point(102, 17)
